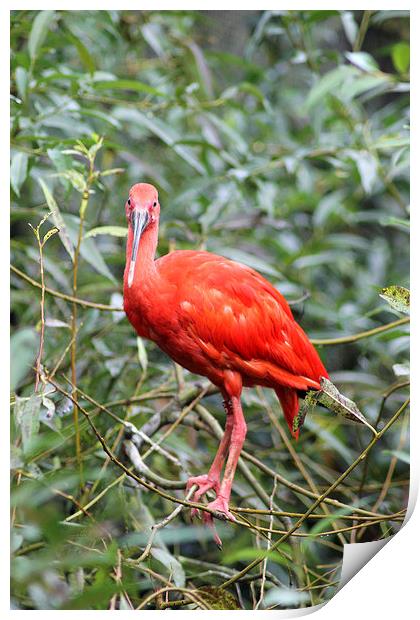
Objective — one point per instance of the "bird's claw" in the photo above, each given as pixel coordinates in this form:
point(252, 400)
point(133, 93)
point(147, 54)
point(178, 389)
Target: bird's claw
point(221, 510)
point(204, 484)
point(219, 506)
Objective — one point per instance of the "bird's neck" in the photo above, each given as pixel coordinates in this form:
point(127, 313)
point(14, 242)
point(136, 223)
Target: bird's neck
point(145, 269)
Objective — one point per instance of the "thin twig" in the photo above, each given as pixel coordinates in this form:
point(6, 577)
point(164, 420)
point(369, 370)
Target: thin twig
point(340, 479)
point(158, 526)
point(192, 594)
point(361, 335)
point(385, 396)
point(362, 31)
point(264, 566)
point(75, 300)
point(73, 348)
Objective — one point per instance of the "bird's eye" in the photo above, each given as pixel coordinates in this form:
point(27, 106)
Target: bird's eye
point(129, 202)
point(154, 204)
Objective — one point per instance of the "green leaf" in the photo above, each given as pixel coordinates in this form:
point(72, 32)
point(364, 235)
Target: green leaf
point(349, 25)
point(107, 173)
point(23, 349)
point(171, 563)
point(115, 231)
point(142, 353)
point(139, 87)
point(362, 60)
point(396, 222)
point(39, 31)
point(328, 84)
point(329, 396)
point(84, 54)
point(27, 416)
point(367, 167)
point(88, 248)
point(75, 178)
point(166, 134)
point(21, 77)
point(401, 370)
point(363, 83)
point(391, 141)
point(398, 297)
point(49, 234)
point(400, 53)
point(245, 554)
point(18, 171)
point(57, 217)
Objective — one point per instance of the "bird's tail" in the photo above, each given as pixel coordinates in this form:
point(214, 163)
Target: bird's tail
point(289, 401)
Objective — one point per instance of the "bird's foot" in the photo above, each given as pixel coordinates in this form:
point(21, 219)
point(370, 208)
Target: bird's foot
point(221, 511)
point(204, 484)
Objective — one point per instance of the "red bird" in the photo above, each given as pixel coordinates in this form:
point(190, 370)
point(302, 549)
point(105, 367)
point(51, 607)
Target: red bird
point(219, 319)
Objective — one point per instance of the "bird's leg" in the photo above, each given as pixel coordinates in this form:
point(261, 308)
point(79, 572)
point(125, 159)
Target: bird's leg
point(221, 503)
point(212, 479)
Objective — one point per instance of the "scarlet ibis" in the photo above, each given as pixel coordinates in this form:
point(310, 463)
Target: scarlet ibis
point(220, 319)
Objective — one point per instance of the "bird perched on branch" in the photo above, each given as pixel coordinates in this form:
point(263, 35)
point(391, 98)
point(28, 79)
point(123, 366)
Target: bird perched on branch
point(220, 319)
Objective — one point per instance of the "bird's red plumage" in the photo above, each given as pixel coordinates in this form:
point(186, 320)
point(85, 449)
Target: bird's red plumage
point(219, 319)
point(211, 314)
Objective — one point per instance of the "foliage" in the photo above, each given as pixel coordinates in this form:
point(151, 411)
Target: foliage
point(279, 139)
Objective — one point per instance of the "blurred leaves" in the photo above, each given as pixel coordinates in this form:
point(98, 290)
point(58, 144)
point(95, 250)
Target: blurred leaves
point(27, 417)
point(39, 31)
point(18, 171)
point(401, 56)
point(57, 217)
point(23, 350)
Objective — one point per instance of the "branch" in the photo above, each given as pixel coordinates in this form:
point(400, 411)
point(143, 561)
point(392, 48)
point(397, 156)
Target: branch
point(311, 508)
point(74, 300)
point(361, 335)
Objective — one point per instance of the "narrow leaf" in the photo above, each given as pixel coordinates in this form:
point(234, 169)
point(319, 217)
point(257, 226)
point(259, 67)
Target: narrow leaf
point(401, 370)
point(329, 396)
point(57, 217)
point(39, 31)
point(400, 54)
point(21, 77)
point(23, 350)
point(172, 564)
point(142, 353)
point(75, 178)
point(49, 234)
point(18, 171)
point(362, 60)
point(139, 87)
point(115, 231)
point(84, 54)
point(328, 84)
point(88, 248)
point(27, 416)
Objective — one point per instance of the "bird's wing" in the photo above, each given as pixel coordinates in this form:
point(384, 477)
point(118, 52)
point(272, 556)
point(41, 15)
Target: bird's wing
point(233, 312)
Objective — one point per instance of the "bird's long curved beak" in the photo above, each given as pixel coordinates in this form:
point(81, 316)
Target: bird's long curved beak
point(139, 220)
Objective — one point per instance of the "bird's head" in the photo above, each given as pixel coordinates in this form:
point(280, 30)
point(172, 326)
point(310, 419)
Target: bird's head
point(142, 209)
